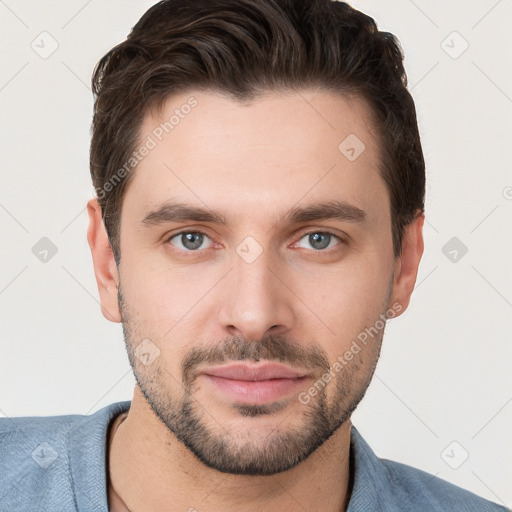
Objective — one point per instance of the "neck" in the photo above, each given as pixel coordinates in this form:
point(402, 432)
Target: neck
point(151, 470)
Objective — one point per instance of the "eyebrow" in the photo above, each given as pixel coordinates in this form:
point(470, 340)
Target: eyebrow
point(171, 211)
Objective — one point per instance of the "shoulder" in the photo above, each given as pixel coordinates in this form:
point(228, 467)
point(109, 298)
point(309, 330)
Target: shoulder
point(40, 455)
point(417, 488)
point(32, 442)
point(385, 485)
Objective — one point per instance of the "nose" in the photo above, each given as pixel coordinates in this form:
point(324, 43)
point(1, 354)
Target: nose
point(256, 300)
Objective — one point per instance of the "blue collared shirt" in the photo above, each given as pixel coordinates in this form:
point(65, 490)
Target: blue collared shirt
point(58, 464)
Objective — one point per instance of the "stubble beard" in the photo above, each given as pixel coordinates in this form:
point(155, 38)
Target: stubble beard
point(283, 448)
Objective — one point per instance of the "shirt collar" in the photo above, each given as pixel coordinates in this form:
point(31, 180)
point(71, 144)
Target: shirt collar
point(88, 450)
point(371, 486)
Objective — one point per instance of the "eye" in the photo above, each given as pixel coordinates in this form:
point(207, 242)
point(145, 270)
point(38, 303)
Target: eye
point(189, 241)
point(320, 240)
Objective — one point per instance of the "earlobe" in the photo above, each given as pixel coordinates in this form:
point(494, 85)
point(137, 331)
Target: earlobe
point(105, 269)
point(406, 266)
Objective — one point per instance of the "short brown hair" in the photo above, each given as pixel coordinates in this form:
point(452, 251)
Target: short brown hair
point(243, 48)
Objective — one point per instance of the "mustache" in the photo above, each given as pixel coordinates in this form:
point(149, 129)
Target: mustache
point(273, 348)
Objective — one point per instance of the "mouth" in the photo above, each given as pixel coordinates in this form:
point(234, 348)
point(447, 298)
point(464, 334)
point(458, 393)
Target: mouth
point(254, 384)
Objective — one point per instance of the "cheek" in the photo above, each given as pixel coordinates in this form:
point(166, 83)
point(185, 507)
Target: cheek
point(354, 292)
point(349, 301)
point(153, 288)
point(167, 305)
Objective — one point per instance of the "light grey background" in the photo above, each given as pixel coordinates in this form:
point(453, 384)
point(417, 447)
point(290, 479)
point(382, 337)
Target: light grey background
point(443, 387)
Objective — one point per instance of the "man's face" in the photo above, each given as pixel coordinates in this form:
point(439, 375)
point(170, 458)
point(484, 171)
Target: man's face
point(216, 301)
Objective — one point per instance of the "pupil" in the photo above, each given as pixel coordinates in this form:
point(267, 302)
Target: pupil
point(314, 238)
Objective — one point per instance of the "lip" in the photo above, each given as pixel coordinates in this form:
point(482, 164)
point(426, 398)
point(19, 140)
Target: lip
point(265, 371)
point(255, 384)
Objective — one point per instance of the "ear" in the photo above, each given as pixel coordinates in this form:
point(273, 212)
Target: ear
point(105, 268)
point(406, 265)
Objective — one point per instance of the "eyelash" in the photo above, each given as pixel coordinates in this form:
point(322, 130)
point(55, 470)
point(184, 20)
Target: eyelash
point(191, 254)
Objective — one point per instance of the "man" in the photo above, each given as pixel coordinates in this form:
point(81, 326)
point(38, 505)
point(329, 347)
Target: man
point(260, 201)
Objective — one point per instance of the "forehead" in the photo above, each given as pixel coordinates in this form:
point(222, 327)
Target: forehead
point(281, 148)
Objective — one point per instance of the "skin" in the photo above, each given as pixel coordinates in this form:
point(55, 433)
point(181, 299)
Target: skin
point(249, 163)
